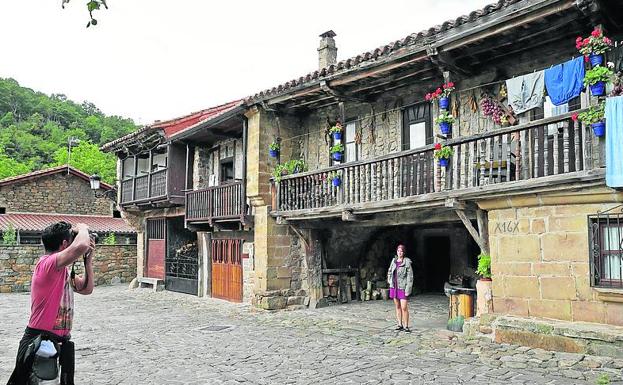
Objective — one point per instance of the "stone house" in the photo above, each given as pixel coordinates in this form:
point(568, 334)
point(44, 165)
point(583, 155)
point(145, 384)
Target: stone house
point(529, 189)
point(31, 202)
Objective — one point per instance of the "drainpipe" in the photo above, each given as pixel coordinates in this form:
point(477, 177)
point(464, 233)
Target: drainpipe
point(245, 132)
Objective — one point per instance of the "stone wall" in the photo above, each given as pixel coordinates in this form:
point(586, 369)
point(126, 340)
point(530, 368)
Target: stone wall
point(56, 193)
point(112, 264)
point(540, 262)
point(207, 162)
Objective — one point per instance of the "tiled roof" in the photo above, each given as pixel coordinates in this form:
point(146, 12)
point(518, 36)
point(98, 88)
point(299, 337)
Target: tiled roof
point(414, 39)
point(38, 222)
point(50, 171)
point(178, 125)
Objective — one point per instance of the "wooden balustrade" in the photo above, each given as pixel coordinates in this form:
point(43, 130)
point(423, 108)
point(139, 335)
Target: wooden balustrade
point(214, 203)
point(141, 187)
point(126, 190)
point(158, 183)
point(146, 186)
point(537, 149)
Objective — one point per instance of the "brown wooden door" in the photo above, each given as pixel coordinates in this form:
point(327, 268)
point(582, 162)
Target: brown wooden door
point(156, 248)
point(227, 269)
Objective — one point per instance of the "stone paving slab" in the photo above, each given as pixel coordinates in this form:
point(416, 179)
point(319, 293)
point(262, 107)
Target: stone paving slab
point(140, 337)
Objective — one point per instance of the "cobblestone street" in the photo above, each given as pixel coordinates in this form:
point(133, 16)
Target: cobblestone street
point(142, 337)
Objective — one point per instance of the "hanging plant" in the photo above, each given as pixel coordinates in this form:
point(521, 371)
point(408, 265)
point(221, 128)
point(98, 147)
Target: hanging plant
point(443, 154)
point(445, 121)
point(273, 148)
point(596, 78)
point(594, 46)
point(336, 131)
point(336, 178)
point(442, 94)
point(336, 151)
point(593, 116)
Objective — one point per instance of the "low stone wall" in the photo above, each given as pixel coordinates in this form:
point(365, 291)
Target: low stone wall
point(114, 263)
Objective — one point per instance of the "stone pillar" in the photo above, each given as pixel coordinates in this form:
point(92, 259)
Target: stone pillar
point(205, 264)
point(140, 254)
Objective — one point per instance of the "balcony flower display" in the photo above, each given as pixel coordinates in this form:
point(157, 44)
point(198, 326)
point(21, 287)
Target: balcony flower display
point(595, 117)
point(445, 121)
point(273, 149)
point(442, 94)
point(336, 178)
point(594, 46)
point(337, 151)
point(290, 167)
point(336, 131)
point(443, 154)
point(597, 78)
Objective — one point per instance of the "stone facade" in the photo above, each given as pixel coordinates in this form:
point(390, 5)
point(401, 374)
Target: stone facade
point(112, 264)
point(541, 257)
point(55, 193)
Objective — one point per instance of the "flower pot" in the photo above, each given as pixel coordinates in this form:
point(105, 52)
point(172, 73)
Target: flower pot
point(484, 292)
point(598, 89)
point(599, 129)
point(337, 136)
point(444, 103)
point(595, 59)
point(445, 127)
point(337, 155)
point(443, 162)
point(273, 153)
point(336, 182)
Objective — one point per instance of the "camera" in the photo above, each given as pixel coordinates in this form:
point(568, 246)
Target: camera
point(94, 237)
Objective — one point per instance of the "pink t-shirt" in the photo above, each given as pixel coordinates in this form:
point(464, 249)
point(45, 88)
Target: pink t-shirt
point(51, 298)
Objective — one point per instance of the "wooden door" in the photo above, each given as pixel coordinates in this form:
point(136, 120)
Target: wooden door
point(227, 269)
point(156, 248)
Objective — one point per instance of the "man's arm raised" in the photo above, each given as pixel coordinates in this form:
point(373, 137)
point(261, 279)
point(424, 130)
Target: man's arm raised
point(80, 246)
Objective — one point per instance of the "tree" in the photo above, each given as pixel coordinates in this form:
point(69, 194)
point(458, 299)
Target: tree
point(88, 158)
point(10, 167)
point(92, 5)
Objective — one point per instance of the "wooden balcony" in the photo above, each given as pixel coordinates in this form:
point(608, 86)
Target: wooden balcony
point(224, 203)
point(540, 154)
point(145, 188)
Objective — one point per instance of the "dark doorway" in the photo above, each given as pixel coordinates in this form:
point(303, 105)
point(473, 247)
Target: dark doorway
point(182, 262)
point(437, 257)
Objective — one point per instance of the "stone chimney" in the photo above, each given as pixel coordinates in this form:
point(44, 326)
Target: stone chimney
point(327, 52)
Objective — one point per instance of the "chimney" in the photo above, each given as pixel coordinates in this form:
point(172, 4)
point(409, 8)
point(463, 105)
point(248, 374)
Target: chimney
point(327, 52)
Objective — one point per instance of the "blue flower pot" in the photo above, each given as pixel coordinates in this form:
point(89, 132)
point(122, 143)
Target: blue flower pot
point(596, 59)
point(599, 129)
point(337, 136)
point(273, 153)
point(443, 162)
point(598, 89)
point(446, 128)
point(337, 155)
point(336, 182)
point(444, 103)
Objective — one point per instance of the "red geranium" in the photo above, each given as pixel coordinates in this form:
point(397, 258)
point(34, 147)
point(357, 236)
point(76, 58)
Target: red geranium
point(574, 117)
point(437, 146)
point(595, 44)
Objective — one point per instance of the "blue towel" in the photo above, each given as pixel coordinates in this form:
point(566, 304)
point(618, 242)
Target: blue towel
point(614, 142)
point(565, 81)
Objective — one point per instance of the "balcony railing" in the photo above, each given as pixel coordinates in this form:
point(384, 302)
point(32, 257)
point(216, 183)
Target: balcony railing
point(215, 203)
point(537, 149)
point(144, 187)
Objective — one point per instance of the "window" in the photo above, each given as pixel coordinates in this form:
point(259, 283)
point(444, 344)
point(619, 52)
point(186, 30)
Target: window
point(128, 168)
point(606, 247)
point(159, 160)
point(351, 147)
point(142, 164)
point(417, 130)
point(227, 170)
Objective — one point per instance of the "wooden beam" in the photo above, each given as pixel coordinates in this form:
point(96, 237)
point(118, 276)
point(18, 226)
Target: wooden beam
point(483, 229)
point(453, 203)
point(472, 231)
point(281, 221)
point(348, 216)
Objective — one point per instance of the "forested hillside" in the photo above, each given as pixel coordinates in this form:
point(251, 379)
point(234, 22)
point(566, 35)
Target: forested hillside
point(35, 128)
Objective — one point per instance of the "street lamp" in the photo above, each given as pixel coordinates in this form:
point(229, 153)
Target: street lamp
point(95, 181)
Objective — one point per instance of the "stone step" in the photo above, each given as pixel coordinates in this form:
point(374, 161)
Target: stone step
point(155, 283)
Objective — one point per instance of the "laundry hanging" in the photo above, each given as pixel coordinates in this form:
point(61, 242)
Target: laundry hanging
point(614, 141)
point(565, 81)
point(525, 92)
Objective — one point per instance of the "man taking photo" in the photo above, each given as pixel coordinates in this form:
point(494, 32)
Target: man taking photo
point(52, 301)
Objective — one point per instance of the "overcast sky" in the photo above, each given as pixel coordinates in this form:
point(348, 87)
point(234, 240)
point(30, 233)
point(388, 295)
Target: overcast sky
point(159, 59)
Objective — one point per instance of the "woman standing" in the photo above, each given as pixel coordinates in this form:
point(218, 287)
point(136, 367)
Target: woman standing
point(400, 279)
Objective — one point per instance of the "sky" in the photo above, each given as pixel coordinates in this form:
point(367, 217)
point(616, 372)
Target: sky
point(160, 59)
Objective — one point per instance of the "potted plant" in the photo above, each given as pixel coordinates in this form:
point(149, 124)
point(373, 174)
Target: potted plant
point(484, 300)
point(290, 167)
point(273, 149)
point(445, 121)
point(443, 153)
point(336, 151)
point(279, 171)
point(442, 94)
point(594, 46)
point(596, 79)
point(336, 131)
point(336, 179)
point(594, 116)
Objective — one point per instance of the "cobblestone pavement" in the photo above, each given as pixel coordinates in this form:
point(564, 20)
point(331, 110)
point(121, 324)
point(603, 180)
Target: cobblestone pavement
point(140, 337)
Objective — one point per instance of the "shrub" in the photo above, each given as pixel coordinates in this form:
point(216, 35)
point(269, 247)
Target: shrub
point(484, 266)
point(9, 236)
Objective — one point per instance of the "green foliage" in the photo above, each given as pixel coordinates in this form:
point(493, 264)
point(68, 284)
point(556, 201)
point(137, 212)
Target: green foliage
point(336, 128)
point(88, 158)
point(445, 117)
point(35, 127)
point(288, 168)
point(275, 146)
point(335, 175)
point(337, 148)
point(456, 324)
point(443, 152)
point(109, 239)
point(92, 5)
point(9, 236)
point(603, 379)
point(484, 266)
point(594, 114)
point(598, 74)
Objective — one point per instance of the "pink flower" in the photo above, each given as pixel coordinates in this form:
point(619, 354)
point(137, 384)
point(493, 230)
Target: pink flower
point(428, 97)
point(607, 41)
point(578, 39)
point(586, 41)
point(586, 59)
point(574, 117)
point(437, 146)
point(596, 32)
point(439, 91)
